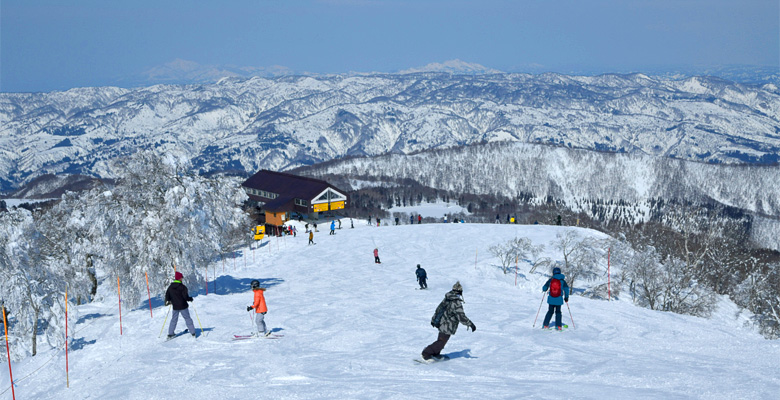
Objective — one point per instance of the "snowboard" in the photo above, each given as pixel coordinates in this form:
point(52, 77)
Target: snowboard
point(432, 360)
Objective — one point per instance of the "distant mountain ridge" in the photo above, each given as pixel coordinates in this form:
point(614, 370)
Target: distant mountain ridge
point(244, 124)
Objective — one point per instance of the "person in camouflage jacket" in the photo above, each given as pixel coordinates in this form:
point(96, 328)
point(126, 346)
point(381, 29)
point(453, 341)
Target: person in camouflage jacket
point(452, 316)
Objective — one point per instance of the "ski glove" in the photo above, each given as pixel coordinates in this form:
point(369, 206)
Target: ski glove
point(190, 299)
point(473, 327)
point(566, 299)
point(249, 308)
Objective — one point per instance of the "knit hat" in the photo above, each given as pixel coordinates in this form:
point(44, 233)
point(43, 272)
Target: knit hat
point(177, 276)
point(418, 265)
point(457, 287)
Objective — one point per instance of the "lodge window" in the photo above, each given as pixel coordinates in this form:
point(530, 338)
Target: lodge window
point(301, 202)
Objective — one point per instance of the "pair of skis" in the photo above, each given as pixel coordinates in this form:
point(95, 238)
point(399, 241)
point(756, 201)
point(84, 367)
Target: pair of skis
point(247, 337)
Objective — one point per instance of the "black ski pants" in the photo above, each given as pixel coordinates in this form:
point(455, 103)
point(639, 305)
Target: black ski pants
point(550, 310)
point(435, 348)
point(423, 284)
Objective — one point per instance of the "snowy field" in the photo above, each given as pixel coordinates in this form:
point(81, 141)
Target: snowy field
point(433, 210)
point(352, 329)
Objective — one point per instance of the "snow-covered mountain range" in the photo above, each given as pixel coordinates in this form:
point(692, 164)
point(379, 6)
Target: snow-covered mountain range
point(280, 123)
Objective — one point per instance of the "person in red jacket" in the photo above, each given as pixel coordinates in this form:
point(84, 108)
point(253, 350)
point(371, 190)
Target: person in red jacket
point(376, 256)
point(260, 308)
point(419, 219)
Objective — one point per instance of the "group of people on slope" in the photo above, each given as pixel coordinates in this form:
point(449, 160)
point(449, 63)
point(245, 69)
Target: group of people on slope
point(449, 314)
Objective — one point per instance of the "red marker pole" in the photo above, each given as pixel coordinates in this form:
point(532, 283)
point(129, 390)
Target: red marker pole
point(8, 351)
point(119, 292)
point(67, 370)
point(149, 293)
point(609, 288)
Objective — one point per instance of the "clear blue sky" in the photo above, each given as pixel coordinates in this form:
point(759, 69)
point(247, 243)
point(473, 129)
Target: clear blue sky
point(59, 44)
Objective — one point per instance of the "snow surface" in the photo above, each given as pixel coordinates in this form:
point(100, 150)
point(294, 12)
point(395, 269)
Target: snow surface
point(433, 210)
point(352, 329)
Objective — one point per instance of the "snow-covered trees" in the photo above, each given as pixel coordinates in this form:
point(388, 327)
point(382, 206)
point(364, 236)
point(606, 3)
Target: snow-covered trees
point(581, 256)
point(32, 286)
point(156, 217)
point(517, 249)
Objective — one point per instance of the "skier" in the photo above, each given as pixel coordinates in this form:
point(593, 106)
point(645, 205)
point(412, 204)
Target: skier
point(315, 227)
point(419, 219)
point(378, 221)
point(421, 277)
point(332, 228)
point(351, 224)
point(178, 296)
point(376, 256)
point(445, 219)
point(559, 293)
point(295, 231)
point(396, 221)
point(339, 224)
point(411, 220)
point(260, 309)
point(307, 227)
point(311, 237)
point(498, 221)
point(446, 318)
point(369, 220)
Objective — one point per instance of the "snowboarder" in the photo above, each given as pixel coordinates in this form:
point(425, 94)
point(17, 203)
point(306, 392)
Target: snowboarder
point(421, 277)
point(177, 296)
point(332, 228)
point(559, 293)
point(376, 256)
point(446, 318)
point(419, 219)
point(260, 308)
point(311, 237)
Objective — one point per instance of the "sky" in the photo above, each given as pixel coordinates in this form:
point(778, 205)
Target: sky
point(54, 45)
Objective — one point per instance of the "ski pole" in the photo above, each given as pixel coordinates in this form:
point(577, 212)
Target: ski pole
point(196, 316)
point(572, 318)
point(540, 309)
point(165, 320)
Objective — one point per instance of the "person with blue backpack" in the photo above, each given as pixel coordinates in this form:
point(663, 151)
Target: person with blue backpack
point(557, 295)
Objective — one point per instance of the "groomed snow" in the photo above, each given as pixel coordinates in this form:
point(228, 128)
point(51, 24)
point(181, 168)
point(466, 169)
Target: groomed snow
point(352, 328)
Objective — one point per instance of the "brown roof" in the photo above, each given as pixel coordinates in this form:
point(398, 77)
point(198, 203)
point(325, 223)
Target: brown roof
point(287, 186)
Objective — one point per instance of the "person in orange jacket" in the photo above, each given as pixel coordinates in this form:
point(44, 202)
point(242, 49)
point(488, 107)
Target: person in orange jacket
point(260, 308)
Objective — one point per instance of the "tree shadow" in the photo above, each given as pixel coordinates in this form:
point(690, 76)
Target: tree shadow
point(88, 317)
point(460, 354)
point(78, 344)
point(228, 285)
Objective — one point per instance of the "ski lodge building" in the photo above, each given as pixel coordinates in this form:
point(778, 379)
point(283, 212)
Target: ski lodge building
point(281, 196)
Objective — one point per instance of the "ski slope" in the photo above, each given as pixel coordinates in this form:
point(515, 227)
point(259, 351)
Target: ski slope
point(353, 327)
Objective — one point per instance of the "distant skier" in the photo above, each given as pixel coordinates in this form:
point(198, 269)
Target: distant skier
point(311, 237)
point(339, 224)
point(332, 228)
point(559, 293)
point(396, 221)
point(376, 256)
point(419, 219)
point(351, 224)
point(177, 296)
point(307, 227)
point(369, 220)
point(260, 308)
point(446, 318)
point(295, 231)
point(422, 277)
point(445, 219)
point(411, 220)
point(315, 227)
point(378, 221)
point(498, 219)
